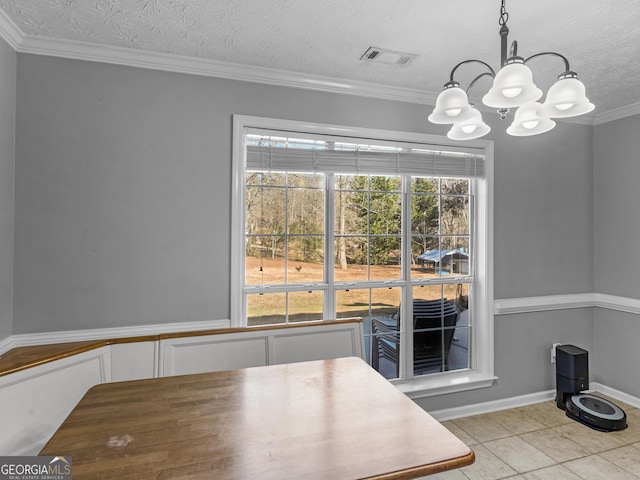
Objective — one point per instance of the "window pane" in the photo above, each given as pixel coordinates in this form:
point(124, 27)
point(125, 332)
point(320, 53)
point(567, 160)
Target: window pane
point(455, 215)
point(306, 259)
point(385, 258)
point(305, 209)
point(385, 211)
point(460, 351)
point(455, 186)
point(305, 306)
point(462, 299)
point(424, 206)
point(455, 256)
point(378, 308)
point(425, 185)
point(351, 260)
point(352, 213)
point(440, 341)
point(306, 180)
point(267, 308)
point(271, 179)
point(353, 303)
point(426, 256)
point(265, 210)
point(261, 267)
point(284, 307)
point(265, 227)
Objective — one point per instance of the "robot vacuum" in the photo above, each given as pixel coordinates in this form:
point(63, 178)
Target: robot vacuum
point(572, 377)
point(596, 412)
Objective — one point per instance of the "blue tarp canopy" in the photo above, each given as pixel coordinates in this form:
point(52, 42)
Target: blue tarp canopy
point(436, 256)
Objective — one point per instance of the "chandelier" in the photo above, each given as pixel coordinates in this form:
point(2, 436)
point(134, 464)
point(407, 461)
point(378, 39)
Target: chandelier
point(512, 87)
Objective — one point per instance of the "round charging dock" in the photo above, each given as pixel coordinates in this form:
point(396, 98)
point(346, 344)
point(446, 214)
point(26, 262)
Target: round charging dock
point(596, 412)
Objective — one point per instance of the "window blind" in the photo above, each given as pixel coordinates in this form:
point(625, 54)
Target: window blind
point(359, 159)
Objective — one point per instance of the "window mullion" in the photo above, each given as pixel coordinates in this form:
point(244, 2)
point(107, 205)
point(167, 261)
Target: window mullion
point(329, 247)
point(406, 327)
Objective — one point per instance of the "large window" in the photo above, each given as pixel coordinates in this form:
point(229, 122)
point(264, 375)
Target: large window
point(389, 227)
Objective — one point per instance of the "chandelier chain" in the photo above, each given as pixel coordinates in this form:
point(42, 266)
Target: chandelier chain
point(504, 15)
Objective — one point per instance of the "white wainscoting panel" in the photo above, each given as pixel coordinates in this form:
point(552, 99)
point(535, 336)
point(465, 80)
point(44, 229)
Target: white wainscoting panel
point(134, 361)
point(211, 353)
point(34, 402)
point(180, 356)
point(307, 345)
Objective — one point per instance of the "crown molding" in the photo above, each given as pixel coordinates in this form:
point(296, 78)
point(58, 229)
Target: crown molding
point(10, 31)
point(618, 113)
point(585, 119)
point(213, 68)
point(76, 50)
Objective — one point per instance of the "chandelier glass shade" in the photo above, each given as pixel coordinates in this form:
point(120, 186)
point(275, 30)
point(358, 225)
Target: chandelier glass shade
point(473, 127)
point(530, 119)
point(452, 105)
point(512, 87)
point(567, 98)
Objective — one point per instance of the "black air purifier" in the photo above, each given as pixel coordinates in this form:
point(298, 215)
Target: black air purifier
point(572, 377)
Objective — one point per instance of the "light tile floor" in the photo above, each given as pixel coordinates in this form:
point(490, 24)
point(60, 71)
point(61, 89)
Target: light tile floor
point(539, 442)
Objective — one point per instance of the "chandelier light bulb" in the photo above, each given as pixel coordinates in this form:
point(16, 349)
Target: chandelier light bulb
point(511, 92)
point(468, 128)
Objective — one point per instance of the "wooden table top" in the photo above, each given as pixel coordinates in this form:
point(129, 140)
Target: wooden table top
point(332, 419)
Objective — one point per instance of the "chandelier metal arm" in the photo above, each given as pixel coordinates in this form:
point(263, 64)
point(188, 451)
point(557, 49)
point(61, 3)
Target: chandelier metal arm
point(490, 72)
point(567, 68)
point(475, 80)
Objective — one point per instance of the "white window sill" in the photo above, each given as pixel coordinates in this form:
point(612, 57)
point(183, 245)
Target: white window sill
point(443, 384)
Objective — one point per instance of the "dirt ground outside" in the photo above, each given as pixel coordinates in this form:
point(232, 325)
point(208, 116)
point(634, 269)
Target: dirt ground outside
point(307, 306)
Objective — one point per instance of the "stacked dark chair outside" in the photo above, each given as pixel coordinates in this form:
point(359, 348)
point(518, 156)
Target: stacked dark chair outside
point(434, 323)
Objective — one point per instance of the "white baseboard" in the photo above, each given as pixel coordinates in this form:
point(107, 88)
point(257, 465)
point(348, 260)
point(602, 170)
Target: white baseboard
point(493, 406)
point(616, 394)
point(524, 400)
point(7, 344)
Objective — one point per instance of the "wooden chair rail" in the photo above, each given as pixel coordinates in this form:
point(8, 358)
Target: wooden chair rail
point(21, 358)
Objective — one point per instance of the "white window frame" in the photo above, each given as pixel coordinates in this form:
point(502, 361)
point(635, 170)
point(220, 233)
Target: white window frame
point(481, 373)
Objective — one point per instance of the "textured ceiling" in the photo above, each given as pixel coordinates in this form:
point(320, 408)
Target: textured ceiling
point(327, 37)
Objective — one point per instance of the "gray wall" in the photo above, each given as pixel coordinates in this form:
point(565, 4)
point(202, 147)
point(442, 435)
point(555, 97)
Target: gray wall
point(7, 164)
point(617, 263)
point(522, 355)
point(122, 215)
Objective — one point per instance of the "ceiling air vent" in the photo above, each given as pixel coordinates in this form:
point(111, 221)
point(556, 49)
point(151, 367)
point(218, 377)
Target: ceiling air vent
point(380, 55)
